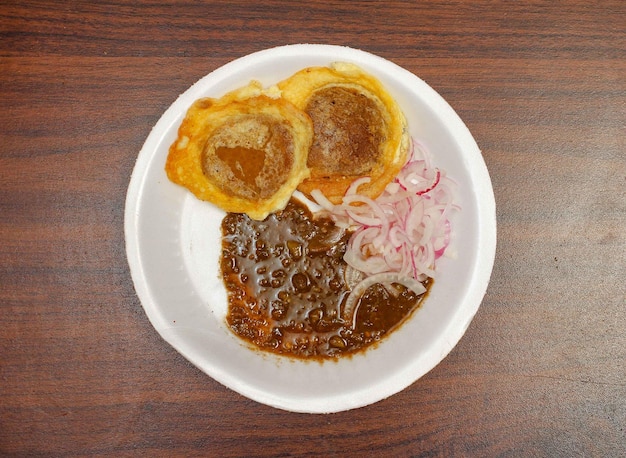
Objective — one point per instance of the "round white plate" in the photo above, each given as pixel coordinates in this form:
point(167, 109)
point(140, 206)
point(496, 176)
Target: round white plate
point(173, 245)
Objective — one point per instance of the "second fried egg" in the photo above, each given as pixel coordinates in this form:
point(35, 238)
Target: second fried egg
point(359, 130)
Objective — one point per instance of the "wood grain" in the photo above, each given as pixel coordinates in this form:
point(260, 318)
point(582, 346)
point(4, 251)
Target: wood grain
point(541, 370)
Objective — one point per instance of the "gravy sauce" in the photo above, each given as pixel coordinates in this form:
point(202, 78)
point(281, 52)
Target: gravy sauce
point(285, 282)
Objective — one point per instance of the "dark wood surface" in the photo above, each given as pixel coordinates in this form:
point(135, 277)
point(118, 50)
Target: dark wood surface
point(541, 370)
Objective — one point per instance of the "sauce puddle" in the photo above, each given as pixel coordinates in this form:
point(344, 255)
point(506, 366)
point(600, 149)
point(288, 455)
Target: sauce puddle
point(286, 289)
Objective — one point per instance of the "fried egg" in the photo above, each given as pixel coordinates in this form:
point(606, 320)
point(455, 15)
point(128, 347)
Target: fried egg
point(245, 152)
point(359, 130)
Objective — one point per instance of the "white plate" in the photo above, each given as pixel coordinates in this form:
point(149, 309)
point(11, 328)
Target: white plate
point(173, 245)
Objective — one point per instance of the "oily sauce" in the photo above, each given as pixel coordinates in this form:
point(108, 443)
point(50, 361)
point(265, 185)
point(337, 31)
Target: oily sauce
point(286, 289)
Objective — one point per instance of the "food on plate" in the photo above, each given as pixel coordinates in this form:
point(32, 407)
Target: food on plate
point(334, 280)
point(359, 130)
point(289, 288)
point(245, 152)
point(322, 285)
point(407, 228)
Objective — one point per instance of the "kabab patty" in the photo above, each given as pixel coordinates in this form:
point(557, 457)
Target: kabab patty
point(359, 130)
point(322, 128)
point(245, 152)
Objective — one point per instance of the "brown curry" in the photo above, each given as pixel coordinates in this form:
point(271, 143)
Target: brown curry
point(286, 287)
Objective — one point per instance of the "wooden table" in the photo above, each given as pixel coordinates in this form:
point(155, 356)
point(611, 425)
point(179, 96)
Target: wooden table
point(541, 370)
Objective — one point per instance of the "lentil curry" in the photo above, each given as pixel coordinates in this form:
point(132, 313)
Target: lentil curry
point(285, 279)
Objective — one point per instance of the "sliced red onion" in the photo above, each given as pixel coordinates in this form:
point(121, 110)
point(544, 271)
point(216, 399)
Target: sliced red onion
point(355, 185)
point(321, 200)
point(407, 228)
point(352, 277)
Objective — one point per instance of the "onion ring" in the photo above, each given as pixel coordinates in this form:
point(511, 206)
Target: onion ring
point(351, 304)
